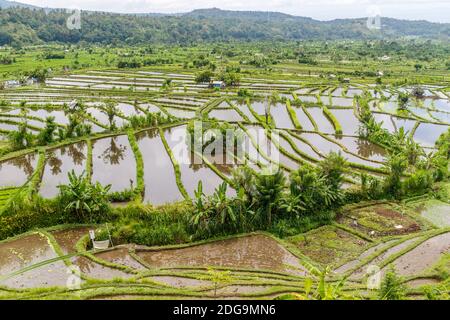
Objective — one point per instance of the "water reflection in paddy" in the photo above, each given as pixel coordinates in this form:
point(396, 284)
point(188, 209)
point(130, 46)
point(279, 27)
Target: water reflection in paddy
point(191, 172)
point(325, 146)
point(363, 148)
point(15, 172)
point(113, 163)
point(159, 175)
point(58, 164)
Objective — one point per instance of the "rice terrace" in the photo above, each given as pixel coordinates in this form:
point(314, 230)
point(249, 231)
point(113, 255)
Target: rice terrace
point(296, 168)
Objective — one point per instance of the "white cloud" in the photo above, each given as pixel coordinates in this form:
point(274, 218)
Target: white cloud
point(433, 10)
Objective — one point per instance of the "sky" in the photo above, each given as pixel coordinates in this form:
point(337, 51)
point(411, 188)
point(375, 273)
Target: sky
point(431, 10)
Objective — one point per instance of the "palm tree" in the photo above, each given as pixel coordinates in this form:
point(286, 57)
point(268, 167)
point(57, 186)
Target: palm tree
point(396, 165)
point(333, 168)
point(269, 190)
point(111, 111)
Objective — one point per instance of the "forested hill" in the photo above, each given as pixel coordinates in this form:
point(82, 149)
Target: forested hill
point(23, 26)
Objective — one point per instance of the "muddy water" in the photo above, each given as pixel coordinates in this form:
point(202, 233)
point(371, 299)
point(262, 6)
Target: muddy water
point(281, 116)
point(321, 120)
point(52, 275)
point(423, 256)
point(120, 256)
point(363, 148)
point(15, 172)
point(58, 165)
point(113, 163)
point(191, 172)
point(98, 271)
point(422, 282)
point(24, 252)
point(427, 133)
point(159, 174)
point(352, 264)
point(68, 238)
point(348, 121)
point(386, 254)
point(244, 109)
point(226, 115)
point(256, 252)
point(303, 119)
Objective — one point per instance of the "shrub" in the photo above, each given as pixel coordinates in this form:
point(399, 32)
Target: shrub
point(392, 287)
point(82, 201)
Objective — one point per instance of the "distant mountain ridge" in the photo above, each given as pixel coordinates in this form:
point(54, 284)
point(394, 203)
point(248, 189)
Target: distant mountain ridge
point(32, 25)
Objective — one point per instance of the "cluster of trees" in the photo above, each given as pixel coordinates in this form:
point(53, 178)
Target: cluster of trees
point(138, 63)
point(7, 60)
point(230, 78)
point(411, 170)
point(22, 26)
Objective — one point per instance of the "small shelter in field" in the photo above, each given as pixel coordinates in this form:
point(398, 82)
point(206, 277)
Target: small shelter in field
point(217, 84)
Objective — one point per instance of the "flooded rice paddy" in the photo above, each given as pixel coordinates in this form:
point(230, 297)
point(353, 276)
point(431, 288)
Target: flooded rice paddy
point(252, 252)
point(192, 169)
point(159, 173)
point(59, 163)
point(17, 171)
point(113, 163)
